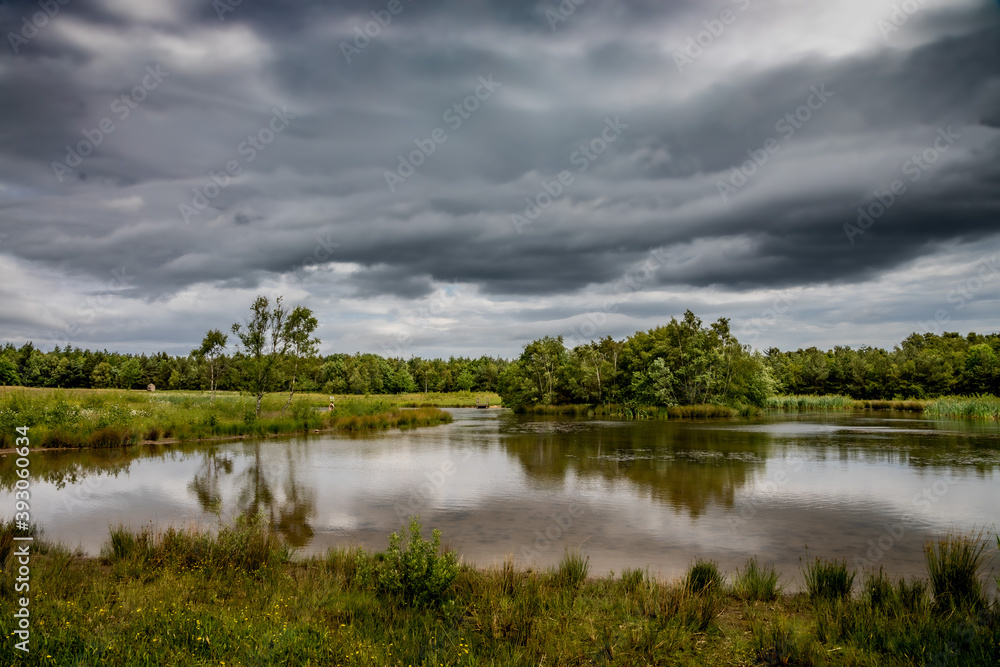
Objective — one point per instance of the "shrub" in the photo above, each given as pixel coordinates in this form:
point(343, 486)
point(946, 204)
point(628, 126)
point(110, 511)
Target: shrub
point(703, 577)
point(413, 570)
point(828, 579)
point(756, 583)
point(954, 564)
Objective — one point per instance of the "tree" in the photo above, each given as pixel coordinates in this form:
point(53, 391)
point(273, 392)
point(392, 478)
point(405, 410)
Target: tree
point(103, 375)
point(262, 345)
point(296, 334)
point(211, 348)
point(129, 373)
point(8, 372)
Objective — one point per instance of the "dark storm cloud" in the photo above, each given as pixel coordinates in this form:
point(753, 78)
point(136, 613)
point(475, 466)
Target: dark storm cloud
point(315, 193)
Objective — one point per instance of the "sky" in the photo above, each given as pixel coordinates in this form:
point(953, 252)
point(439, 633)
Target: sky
point(461, 177)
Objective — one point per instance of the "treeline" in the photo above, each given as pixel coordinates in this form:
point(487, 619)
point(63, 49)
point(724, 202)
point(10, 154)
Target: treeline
point(922, 366)
point(71, 367)
point(686, 363)
point(680, 363)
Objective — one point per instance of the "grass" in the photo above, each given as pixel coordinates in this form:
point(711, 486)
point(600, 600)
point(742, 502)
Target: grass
point(756, 583)
point(954, 564)
point(828, 579)
point(90, 418)
point(975, 407)
point(705, 411)
point(839, 402)
point(233, 596)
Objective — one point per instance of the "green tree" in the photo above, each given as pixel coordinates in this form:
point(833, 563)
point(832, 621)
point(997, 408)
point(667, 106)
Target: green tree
point(8, 372)
point(103, 376)
point(262, 346)
point(129, 373)
point(981, 370)
point(296, 333)
point(211, 349)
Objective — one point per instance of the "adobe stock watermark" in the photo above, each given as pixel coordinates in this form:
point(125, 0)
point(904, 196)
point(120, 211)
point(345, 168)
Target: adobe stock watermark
point(581, 158)
point(749, 508)
point(122, 107)
point(696, 44)
point(31, 26)
point(963, 292)
point(894, 532)
point(439, 303)
point(322, 252)
point(553, 533)
point(454, 116)
point(898, 17)
point(768, 318)
point(562, 12)
point(255, 144)
point(634, 279)
point(918, 165)
point(787, 126)
point(421, 497)
point(89, 309)
point(372, 29)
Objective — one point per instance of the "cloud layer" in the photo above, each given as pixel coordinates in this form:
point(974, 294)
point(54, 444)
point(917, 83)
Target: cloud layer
point(459, 177)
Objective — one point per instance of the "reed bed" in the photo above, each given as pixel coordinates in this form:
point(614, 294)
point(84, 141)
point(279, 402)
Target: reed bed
point(974, 407)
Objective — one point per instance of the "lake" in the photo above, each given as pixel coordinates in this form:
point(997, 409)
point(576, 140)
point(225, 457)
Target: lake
point(867, 487)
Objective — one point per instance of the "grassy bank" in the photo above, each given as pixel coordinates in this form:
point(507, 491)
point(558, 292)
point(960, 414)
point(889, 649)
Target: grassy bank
point(638, 412)
point(236, 598)
point(976, 407)
point(105, 418)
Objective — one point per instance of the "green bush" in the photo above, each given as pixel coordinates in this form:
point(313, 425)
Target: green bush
point(411, 570)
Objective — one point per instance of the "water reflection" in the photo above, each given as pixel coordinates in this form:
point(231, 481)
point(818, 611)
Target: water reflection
point(648, 493)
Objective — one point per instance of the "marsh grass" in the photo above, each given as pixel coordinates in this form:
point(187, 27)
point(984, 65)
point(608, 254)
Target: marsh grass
point(208, 597)
point(828, 579)
point(107, 419)
point(572, 570)
point(248, 545)
point(974, 407)
point(756, 582)
point(955, 564)
point(704, 577)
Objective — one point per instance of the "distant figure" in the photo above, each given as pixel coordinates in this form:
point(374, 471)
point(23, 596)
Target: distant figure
point(150, 387)
point(330, 409)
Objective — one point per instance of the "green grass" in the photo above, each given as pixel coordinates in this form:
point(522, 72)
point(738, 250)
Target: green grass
point(828, 579)
point(839, 402)
point(232, 595)
point(954, 564)
point(89, 418)
point(756, 582)
point(975, 407)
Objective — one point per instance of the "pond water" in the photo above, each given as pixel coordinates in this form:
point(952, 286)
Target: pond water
point(867, 487)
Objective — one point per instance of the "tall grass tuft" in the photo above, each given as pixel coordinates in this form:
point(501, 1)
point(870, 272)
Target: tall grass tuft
point(573, 569)
point(704, 577)
point(756, 582)
point(954, 566)
point(828, 580)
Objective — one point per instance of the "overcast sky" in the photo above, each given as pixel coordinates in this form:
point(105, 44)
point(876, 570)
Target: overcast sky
point(458, 178)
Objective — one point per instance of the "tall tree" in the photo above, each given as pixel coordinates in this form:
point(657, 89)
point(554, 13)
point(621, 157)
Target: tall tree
point(262, 345)
point(211, 348)
point(296, 333)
